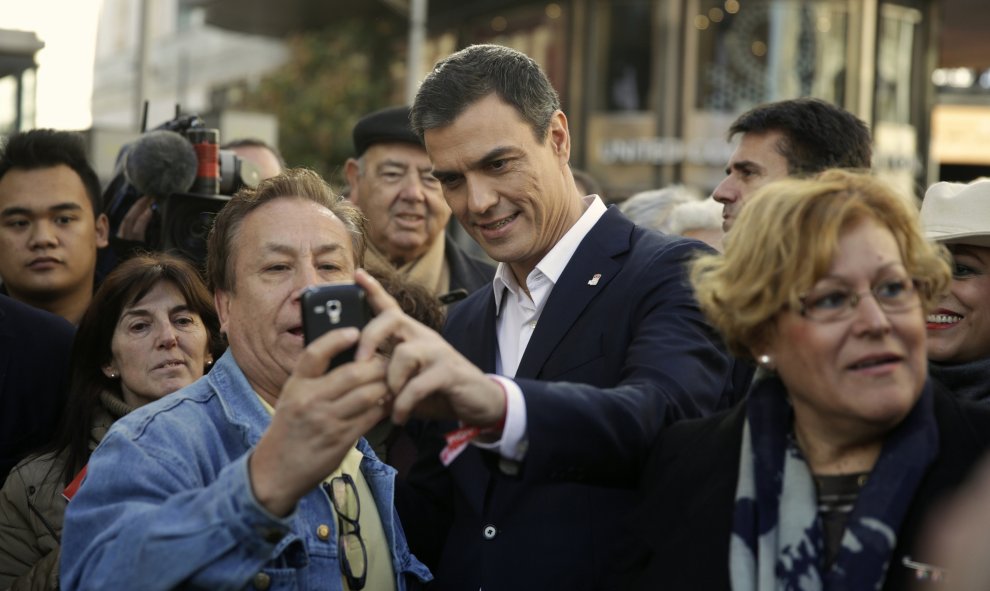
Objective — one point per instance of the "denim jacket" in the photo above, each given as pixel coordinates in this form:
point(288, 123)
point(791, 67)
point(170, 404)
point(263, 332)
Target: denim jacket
point(167, 503)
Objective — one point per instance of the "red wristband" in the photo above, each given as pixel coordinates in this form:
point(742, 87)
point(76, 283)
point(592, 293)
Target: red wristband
point(458, 439)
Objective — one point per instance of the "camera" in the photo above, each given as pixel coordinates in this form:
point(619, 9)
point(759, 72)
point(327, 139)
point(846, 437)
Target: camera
point(180, 165)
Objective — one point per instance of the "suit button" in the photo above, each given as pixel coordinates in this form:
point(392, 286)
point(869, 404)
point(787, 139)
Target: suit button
point(262, 581)
point(490, 532)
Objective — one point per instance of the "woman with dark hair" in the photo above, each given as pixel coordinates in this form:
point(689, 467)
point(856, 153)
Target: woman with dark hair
point(150, 330)
point(821, 478)
point(958, 216)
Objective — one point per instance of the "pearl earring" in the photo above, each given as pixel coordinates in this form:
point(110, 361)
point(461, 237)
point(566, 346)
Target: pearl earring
point(766, 362)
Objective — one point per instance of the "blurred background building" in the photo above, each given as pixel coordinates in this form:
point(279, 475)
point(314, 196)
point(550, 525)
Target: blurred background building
point(18, 69)
point(649, 86)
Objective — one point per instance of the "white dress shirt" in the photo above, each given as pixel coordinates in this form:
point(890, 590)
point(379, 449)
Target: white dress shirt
point(516, 316)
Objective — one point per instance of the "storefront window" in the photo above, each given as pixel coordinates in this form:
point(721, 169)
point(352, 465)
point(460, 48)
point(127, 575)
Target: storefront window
point(897, 50)
point(758, 51)
point(626, 55)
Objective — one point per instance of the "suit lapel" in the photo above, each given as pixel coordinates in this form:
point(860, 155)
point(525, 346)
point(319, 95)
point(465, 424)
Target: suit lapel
point(587, 274)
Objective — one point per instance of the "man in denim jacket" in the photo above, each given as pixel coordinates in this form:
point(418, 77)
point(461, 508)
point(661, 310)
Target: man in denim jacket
point(212, 487)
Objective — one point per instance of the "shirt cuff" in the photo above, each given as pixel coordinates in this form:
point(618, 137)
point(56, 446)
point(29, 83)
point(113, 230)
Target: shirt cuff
point(513, 442)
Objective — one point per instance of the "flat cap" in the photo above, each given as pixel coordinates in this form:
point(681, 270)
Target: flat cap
point(386, 125)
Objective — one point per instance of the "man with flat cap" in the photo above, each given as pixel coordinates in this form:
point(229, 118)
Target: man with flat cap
point(391, 181)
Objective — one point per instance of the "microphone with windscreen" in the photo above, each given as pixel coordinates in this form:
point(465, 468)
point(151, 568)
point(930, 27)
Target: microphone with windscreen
point(160, 163)
point(180, 166)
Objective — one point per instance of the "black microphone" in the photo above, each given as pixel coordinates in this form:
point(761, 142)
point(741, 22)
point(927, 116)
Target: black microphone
point(160, 163)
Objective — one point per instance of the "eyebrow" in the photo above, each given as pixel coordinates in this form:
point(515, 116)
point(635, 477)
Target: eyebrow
point(496, 153)
point(880, 270)
point(145, 312)
point(330, 247)
point(742, 164)
point(21, 210)
point(388, 162)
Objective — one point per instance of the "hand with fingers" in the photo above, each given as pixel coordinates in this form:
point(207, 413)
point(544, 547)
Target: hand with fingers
point(134, 224)
point(318, 419)
point(427, 377)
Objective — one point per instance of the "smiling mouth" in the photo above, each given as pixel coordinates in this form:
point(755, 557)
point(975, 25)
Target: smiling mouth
point(499, 224)
point(943, 318)
point(875, 361)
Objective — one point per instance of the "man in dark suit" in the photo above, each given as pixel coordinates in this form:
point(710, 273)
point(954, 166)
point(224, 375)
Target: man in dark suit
point(34, 368)
point(391, 181)
point(590, 337)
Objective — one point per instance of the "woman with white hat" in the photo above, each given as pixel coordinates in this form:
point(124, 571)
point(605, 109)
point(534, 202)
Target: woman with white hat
point(958, 215)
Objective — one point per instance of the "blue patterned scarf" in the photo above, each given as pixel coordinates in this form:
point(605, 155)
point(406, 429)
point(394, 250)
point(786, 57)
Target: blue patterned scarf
point(777, 537)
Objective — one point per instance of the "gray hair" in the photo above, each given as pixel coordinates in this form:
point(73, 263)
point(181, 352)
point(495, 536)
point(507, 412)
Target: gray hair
point(704, 214)
point(652, 208)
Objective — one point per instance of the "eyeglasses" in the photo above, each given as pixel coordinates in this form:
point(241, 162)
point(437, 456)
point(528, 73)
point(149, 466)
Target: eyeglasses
point(353, 555)
point(831, 304)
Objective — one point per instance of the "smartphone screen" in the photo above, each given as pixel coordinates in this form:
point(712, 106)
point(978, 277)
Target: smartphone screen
point(332, 306)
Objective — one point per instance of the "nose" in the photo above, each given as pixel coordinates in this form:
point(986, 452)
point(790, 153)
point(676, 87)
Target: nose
point(167, 337)
point(306, 276)
point(43, 235)
point(726, 192)
point(412, 188)
point(482, 196)
point(870, 318)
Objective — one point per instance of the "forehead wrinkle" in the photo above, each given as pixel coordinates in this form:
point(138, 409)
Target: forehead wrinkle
point(392, 162)
point(842, 279)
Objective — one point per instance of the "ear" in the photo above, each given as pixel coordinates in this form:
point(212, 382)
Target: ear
point(221, 301)
point(102, 230)
point(352, 171)
point(108, 371)
point(765, 342)
point(560, 137)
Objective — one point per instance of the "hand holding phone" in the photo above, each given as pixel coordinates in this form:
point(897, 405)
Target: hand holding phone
point(332, 306)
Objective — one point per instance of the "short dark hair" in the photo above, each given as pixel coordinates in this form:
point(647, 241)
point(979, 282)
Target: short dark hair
point(253, 142)
point(475, 72)
point(91, 350)
point(294, 182)
point(817, 135)
point(45, 148)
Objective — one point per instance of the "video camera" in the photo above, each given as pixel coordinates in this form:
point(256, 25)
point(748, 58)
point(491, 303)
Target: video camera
point(180, 165)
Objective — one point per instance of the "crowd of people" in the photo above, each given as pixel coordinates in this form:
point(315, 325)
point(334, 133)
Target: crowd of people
point(630, 398)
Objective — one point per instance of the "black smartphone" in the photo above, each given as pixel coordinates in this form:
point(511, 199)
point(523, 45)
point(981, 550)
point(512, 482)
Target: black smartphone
point(331, 306)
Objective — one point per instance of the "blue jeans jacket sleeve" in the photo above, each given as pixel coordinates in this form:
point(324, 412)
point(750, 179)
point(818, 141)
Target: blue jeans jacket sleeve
point(159, 528)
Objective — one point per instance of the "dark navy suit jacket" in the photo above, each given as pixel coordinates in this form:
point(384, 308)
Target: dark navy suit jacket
point(34, 365)
point(610, 362)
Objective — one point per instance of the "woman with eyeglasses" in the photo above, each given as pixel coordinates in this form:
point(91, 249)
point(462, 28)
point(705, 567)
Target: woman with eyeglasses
point(820, 478)
point(150, 330)
point(958, 216)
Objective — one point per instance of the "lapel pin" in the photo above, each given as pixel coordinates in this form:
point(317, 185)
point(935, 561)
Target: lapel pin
point(594, 280)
